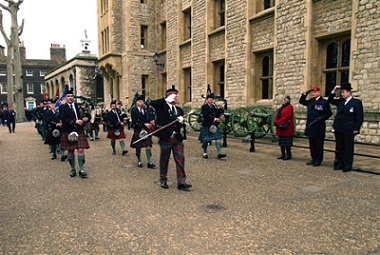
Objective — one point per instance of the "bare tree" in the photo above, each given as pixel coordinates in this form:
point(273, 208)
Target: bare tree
point(15, 95)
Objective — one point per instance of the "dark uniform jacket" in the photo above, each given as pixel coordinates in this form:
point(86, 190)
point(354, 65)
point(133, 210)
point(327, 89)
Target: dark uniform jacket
point(164, 116)
point(113, 121)
point(68, 117)
point(139, 119)
point(209, 113)
point(348, 117)
point(318, 111)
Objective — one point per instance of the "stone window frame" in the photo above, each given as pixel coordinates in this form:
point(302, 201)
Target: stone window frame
point(43, 88)
point(3, 72)
point(103, 6)
point(259, 79)
point(341, 70)
point(257, 6)
point(162, 35)
point(219, 78)
point(187, 76)
point(29, 72)
point(144, 84)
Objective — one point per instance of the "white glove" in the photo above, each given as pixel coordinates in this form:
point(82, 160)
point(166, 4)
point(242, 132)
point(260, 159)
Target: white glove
point(180, 119)
point(169, 99)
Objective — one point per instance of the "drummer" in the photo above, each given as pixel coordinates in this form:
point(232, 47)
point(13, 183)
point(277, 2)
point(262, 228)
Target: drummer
point(211, 116)
point(142, 124)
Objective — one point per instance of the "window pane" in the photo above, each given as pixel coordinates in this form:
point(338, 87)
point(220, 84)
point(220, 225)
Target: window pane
point(346, 53)
point(330, 82)
point(344, 77)
point(266, 66)
point(266, 4)
point(332, 56)
point(265, 89)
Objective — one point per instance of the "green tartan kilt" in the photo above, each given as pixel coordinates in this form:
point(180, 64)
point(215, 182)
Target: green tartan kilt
point(206, 136)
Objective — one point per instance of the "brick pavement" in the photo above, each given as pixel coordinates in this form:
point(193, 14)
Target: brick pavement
point(249, 203)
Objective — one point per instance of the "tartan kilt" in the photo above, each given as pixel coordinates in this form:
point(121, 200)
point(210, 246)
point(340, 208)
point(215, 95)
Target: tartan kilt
point(81, 144)
point(143, 143)
point(207, 136)
point(285, 141)
point(111, 134)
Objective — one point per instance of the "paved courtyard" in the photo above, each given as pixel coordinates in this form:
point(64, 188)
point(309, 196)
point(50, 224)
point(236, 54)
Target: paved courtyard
point(249, 203)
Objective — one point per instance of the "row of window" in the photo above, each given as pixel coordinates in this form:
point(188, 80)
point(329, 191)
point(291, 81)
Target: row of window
point(29, 88)
point(28, 73)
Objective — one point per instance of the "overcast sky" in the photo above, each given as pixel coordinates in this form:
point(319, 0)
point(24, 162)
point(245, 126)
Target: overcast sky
point(55, 21)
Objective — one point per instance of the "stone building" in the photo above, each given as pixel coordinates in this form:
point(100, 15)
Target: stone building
point(80, 74)
point(252, 52)
point(33, 72)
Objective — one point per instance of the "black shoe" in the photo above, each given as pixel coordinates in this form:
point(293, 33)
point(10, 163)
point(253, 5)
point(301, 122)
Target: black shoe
point(140, 164)
point(82, 173)
point(63, 158)
point(151, 166)
point(219, 157)
point(53, 157)
point(286, 157)
point(114, 153)
point(205, 155)
point(73, 173)
point(124, 152)
point(281, 157)
point(337, 168)
point(164, 185)
point(184, 186)
point(317, 163)
point(346, 170)
point(97, 138)
point(310, 163)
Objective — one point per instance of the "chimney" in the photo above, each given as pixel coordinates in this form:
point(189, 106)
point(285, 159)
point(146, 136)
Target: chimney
point(22, 51)
point(58, 53)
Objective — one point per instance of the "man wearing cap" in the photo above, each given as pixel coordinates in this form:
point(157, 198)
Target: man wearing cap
point(170, 138)
point(347, 123)
point(318, 111)
point(210, 131)
point(142, 123)
point(73, 121)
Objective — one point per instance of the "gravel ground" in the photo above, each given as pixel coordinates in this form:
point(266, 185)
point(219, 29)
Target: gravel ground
point(249, 203)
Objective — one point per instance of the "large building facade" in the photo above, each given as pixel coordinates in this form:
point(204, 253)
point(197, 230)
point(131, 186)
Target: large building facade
point(252, 52)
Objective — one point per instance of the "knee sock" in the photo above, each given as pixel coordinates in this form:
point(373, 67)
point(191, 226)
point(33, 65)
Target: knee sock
point(71, 159)
point(148, 155)
point(80, 161)
point(113, 142)
point(282, 150)
point(138, 154)
point(122, 145)
point(218, 146)
point(204, 146)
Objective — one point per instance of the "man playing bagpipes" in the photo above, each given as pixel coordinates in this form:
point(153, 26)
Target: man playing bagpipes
point(115, 127)
point(73, 136)
point(142, 124)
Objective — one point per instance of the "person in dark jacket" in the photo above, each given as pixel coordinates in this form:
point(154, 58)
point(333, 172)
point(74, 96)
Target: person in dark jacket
point(211, 116)
point(170, 138)
point(53, 132)
point(318, 111)
point(142, 123)
point(115, 127)
point(10, 119)
point(284, 122)
point(347, 123)
point(73, 120)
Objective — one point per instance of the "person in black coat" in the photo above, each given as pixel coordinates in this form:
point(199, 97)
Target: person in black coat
point(347, 123)
point(170, 138)
point(142, 123)
point(53, 132)
point(211, 117)
point(10, 119)
point(115, 127)
point(318, 111)
point(73, 120)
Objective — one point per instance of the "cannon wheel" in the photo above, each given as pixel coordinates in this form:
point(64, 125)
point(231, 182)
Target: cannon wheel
point(226, 123)
point(239, 119)
point(195, 121)
point(257, 124)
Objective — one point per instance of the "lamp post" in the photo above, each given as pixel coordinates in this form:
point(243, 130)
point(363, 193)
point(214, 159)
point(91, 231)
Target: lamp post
point(155, 58)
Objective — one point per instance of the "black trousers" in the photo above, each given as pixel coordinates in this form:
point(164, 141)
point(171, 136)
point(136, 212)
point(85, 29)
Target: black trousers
point(316, 145)
point(344, 151)
point(11, 126)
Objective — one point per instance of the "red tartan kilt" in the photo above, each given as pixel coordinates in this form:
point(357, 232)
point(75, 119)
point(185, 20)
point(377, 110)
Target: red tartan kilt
point(81, 144)
point(111, 134)
point(143, 143)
